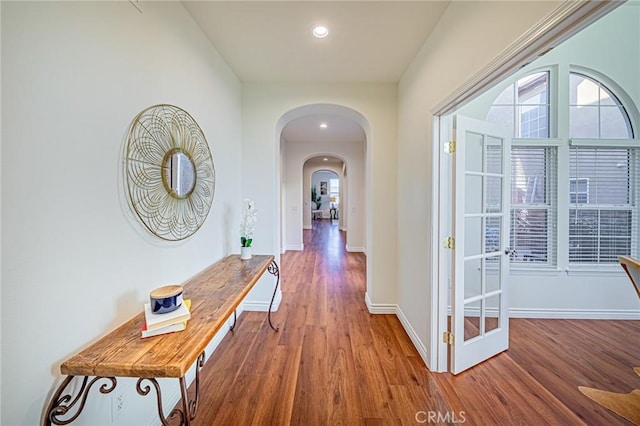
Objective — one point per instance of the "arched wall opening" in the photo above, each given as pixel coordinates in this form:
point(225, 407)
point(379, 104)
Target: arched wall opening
point(295, 175)
point(311, 173)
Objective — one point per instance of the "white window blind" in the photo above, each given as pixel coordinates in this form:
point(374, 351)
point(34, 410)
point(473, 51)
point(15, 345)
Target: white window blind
point(603, 210)
point(533, 204)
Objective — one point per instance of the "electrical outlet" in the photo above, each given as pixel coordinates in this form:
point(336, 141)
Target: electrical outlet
point(117, 405)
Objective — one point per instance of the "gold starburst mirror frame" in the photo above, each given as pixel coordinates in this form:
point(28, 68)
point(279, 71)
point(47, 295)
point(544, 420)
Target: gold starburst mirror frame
point(169, 172)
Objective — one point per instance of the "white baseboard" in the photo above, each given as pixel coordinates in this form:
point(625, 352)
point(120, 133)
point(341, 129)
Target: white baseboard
point(353, 249)
point(609, 314)
point(387, 308)
point(295, 247)
point(420, 347)
point(263, 306)
point(379, 308)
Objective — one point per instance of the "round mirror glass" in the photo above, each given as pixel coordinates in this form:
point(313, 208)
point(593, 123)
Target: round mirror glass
point(179, 174)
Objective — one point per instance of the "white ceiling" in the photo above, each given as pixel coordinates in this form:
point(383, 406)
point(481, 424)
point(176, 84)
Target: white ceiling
point(267, 41)
point(319, 161)
point(307, 129)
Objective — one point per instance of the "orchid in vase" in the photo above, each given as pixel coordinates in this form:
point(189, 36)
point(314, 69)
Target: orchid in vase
point(247, 224)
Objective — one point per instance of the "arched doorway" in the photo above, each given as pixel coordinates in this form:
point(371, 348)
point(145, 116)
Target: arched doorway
point(325, 189)
point(322, 131)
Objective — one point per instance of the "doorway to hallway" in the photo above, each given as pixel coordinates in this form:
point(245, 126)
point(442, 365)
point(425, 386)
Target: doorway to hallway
point(326, 195)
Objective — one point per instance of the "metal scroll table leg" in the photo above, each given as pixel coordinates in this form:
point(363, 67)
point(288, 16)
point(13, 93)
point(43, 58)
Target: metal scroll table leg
point(180, 415)
point(275, 271)
point(235, 318)
point(62, 405)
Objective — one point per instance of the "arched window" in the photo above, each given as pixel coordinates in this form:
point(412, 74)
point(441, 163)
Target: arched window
point(603, 174)
point(595, 112)
point(523, 107)
point(603, 163)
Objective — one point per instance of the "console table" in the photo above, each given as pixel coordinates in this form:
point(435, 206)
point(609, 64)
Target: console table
point(215, 294)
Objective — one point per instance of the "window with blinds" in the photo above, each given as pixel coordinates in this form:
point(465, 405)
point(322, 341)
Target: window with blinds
point(533, 204)
point(603, 210)
point(603, 180)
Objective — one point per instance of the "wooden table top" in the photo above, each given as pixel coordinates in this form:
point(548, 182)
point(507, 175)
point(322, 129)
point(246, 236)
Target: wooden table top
point(215, 293)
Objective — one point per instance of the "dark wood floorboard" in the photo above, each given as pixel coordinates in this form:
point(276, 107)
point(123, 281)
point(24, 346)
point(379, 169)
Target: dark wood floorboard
point(333, 363)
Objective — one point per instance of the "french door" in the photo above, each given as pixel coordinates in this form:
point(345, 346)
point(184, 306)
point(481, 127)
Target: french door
point(480, 267)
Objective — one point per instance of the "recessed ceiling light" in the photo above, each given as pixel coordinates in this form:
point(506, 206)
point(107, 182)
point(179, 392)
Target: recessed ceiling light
point(320, 31)
point(323, 125)
point(325, 159)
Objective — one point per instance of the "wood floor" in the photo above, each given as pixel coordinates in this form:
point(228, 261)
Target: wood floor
point(333, 363)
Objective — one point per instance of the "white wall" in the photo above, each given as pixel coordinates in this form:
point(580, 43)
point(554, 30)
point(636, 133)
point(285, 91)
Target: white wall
point(74, 75)
point(1, 275)
point(283, 197)
point(563, 293)
point(468, 36)
point(263, 107)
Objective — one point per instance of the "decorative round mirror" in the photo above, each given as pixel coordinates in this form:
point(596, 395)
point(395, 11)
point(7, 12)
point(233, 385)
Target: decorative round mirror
point(169, 172)
point(179, 173)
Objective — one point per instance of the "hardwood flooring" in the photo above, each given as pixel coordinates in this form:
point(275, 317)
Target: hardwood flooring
point(333, 363)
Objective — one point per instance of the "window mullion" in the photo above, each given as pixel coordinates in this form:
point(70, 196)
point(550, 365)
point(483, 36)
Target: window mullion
point(560, 107)
point(562, 218)
point(560, 101)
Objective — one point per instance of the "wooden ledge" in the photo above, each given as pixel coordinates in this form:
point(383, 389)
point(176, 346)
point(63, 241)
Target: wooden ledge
point(632, 267)
point(215, 294)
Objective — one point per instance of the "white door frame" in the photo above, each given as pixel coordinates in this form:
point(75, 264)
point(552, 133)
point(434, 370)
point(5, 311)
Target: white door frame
point(568, 19)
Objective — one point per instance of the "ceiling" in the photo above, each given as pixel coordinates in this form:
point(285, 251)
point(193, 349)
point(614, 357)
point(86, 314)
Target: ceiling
point(326, 160)
point(307, 129)
point(266, 41)
point(271, 42)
